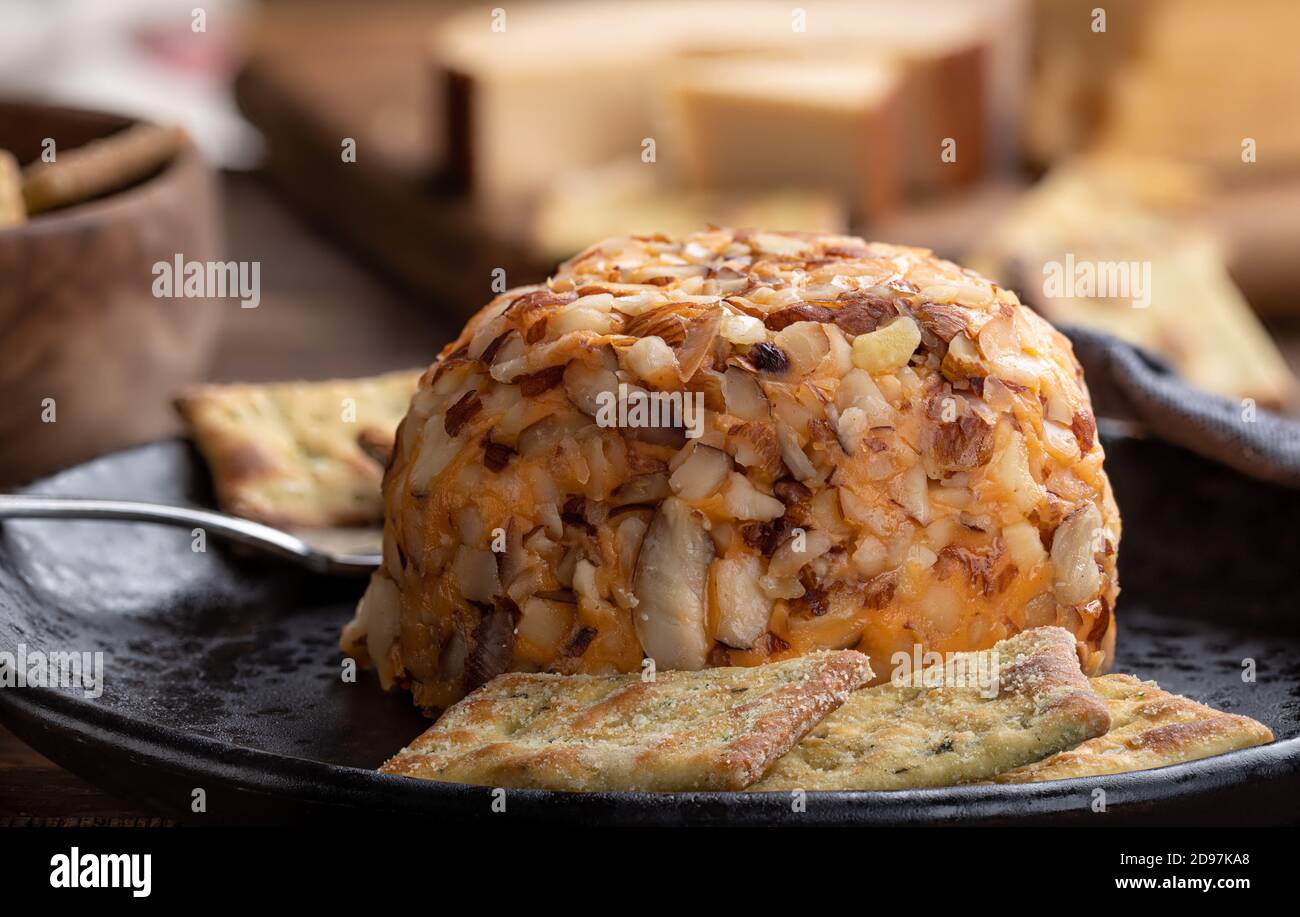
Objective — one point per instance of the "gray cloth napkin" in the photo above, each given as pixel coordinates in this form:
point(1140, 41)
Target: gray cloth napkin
point(1129, 384)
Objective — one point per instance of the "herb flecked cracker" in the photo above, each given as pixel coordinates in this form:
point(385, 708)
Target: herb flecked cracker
point(716, 729)
point(895, 737)
point(1149, 728)
point(299, 453)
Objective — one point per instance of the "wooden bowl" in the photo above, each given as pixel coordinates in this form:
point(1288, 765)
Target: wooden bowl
point(89, 358)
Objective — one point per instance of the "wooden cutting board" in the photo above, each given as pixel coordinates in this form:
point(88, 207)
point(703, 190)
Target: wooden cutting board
point(320, 73)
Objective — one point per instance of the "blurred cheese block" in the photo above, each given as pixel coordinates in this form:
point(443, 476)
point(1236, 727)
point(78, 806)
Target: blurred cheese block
point(962, 73)
point(1184, 79)
point(944, 90)
point(1126, 218)
point(1073, 69)
point(1173, 100)
point(561, 86)
point(627, 197)
point(558, 86)
point(832, 125)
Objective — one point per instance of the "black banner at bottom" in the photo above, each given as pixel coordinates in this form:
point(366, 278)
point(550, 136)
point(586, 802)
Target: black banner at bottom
point(421, 865)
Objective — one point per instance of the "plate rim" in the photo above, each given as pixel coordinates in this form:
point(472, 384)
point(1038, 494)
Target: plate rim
point(314, 781)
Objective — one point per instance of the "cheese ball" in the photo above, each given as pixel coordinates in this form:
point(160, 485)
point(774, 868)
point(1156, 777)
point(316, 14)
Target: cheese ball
point(732, 448)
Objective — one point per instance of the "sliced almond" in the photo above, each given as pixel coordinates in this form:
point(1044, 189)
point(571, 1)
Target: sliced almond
point(793, 455)
point(743, 395)
point(858, 390)
point(701, 474)
point(887, 348)
point(1009, 468)
point(1073, 546)
point(755, 447)
point(651, 359)
point(671, 586)
point(744, 501)
point(742, 608)
point(911, 491)
point(805, 345)
point(590, 387)
point(797, 552)
point(742, 330)
point(475, 574)
point(962, 361)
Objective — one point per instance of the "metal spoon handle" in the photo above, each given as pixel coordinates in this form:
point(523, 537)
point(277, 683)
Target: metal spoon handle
point(273, 541)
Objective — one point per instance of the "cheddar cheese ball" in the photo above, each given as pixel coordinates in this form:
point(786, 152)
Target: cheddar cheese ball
point(891, 454)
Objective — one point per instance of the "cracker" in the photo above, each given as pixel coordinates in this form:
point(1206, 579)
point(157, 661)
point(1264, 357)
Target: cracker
point(1117, 210)
point(1149, 728)
point(101, 166)
point(291, 454)
point(891, 737)
point(716, 729)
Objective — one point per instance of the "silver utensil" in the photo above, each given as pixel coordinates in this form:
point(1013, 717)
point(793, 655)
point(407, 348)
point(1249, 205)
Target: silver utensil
point(326, 551)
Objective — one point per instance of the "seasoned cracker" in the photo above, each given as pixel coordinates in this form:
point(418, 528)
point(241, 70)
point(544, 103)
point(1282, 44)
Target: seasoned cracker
point(716, 729)
point(100, 166)
point(1149, 728)
point(291, 453)
point(1183, 304)
point(895, 737)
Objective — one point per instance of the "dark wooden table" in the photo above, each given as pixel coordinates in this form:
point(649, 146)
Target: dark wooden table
point(322, 314)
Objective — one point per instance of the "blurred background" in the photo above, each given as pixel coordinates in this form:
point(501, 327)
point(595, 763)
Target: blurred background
point(384, 161)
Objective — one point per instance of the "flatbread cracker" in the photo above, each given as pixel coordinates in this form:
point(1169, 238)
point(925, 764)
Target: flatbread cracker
point(716, 729)
point(1149, 728)
point(100, 166)
point(291, 453)
point(1112, 209)
point(892, 737)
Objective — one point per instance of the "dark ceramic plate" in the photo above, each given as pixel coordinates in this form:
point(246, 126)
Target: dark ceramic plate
point(222, 673)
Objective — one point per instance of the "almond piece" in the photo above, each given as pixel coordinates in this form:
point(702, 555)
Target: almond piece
point(671, 586)
point(1073, 546)
point(887, 348)
point(742, 608)
point(701, 474)
point(651, 359)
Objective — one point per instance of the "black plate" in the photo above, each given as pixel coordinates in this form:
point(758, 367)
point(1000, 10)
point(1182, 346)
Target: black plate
point(222, 673)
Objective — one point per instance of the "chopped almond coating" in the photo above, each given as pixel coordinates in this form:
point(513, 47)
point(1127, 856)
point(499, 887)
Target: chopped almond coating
point(736, 447)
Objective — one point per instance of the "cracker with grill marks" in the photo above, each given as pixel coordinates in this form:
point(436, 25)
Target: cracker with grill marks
point(949, 725)
point(716, 729)
point(300, 453)
point(1149, 728)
